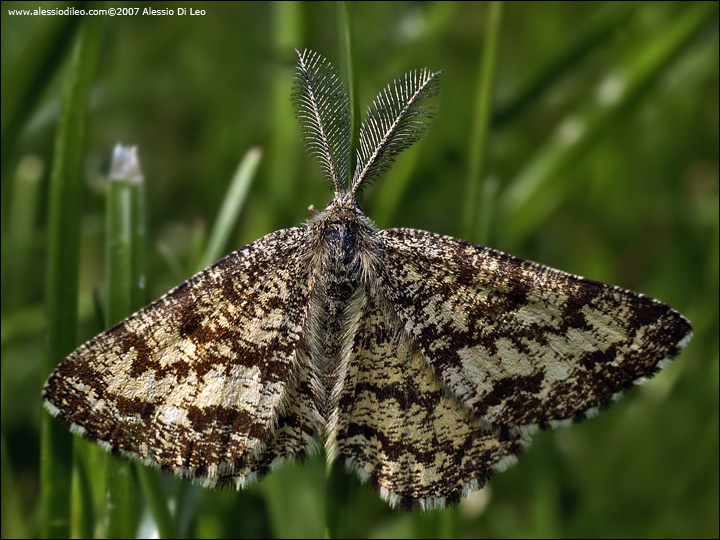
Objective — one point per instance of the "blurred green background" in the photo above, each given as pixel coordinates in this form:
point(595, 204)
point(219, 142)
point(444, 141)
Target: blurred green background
point(601, 160)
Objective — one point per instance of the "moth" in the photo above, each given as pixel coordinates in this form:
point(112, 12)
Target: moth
point(425, 361)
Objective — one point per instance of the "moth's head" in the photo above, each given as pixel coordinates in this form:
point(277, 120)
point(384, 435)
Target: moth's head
point(344, 203)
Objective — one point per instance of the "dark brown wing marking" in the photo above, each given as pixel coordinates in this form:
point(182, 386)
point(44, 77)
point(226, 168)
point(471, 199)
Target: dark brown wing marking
point(520, 343)
point(193, 383)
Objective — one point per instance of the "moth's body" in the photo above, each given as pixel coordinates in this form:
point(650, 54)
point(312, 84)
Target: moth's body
point(426, 360)
point(342, 256)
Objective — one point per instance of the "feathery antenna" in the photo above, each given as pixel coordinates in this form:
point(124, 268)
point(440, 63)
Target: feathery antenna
point(321, 103)
point(396, 120)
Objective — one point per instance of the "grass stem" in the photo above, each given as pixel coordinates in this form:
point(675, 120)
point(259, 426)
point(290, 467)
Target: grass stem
point(120, 482)
point(231, 207)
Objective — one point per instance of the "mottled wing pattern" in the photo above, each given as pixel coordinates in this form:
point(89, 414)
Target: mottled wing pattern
point(401, 431)
point(298, 425)
point(195, 382)
point(520, 343)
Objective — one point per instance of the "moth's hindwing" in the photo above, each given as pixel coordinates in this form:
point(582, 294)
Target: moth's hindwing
point(398, 428)
point(519, 343)
point(193, 382)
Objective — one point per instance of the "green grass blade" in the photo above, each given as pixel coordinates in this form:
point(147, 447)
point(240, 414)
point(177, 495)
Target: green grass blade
point(337, 500)
point(295, 499)
point(21, 231)
point(122, 511)
point(138, 275)
point(538, 190)
point(154, 491)
point(599, 28)
point(119, 244)
point(84, 523)
point(481, 123)
point(32, 73)
point(283, 153)
point(231, 207)
point(63, 258)
point(122, 493)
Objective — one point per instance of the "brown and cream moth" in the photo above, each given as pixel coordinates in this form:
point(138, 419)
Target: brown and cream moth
point(427, 361)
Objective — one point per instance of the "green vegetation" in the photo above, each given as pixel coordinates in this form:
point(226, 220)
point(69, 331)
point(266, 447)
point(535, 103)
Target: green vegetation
point(599, 157)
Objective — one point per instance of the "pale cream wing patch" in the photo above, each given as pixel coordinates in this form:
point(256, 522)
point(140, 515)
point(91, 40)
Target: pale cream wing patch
point(399, 429)
point(195, 381)
point(298, 426)
point(520, 343)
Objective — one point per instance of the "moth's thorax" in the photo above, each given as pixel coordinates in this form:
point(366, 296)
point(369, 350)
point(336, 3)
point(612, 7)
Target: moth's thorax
point(339, 236)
